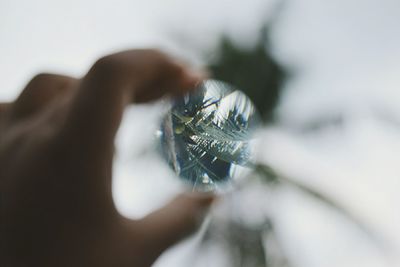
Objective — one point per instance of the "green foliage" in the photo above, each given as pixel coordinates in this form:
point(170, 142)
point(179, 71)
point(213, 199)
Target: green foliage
point(254, 71)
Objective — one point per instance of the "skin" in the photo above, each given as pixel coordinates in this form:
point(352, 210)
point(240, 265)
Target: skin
point(56, 152)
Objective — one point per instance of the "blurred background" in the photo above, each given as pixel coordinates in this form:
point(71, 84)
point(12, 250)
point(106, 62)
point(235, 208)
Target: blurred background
point(324, 74)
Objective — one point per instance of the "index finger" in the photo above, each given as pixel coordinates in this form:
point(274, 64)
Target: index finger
point(97, 108)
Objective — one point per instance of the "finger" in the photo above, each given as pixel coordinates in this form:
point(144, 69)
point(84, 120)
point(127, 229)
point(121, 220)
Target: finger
point(168, 225)
point(113, 82)
point(39, 92)
point(175, 78)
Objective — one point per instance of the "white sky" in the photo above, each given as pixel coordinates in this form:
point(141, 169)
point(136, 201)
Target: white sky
point(346, 58)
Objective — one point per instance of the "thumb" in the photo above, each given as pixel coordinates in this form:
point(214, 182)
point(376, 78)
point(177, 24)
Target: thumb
point(168, 225)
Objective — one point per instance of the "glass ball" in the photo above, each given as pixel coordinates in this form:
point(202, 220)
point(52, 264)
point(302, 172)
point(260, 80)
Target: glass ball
point(207, 136)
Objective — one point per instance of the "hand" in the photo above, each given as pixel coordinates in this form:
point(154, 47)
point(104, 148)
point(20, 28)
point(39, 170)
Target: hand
point(56, 151)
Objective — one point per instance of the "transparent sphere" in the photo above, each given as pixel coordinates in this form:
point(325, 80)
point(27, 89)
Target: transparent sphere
point(207, 136)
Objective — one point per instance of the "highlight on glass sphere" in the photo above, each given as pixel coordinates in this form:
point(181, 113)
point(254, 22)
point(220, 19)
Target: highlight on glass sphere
point(207, 136)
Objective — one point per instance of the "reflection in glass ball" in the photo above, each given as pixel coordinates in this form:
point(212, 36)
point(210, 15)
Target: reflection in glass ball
point(206, 137)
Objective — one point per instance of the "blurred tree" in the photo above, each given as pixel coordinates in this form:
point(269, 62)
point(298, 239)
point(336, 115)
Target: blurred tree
point(261, 77)
point(254, 71)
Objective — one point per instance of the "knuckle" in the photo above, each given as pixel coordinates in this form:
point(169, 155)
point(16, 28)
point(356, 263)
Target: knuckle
point(105, 63)
point(44, 80)
point(41, 77)
point(105, 67)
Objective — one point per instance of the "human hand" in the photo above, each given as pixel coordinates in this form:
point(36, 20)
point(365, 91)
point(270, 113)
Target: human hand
point(56, 151)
